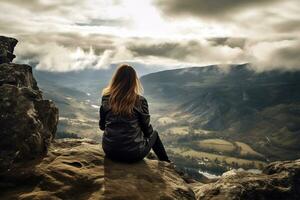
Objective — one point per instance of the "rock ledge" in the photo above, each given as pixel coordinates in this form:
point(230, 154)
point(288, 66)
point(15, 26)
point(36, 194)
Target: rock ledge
point(78, 169)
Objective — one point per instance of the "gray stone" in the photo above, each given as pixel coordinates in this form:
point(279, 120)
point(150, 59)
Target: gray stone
point(279, 180)
point(78, 169)
point(27, 122)
point(17, 75)
point(7, 46)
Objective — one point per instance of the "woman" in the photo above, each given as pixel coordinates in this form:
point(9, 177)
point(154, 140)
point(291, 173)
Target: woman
point(125, 120)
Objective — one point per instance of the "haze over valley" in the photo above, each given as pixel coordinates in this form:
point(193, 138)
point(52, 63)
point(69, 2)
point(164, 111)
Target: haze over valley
point(211, 118)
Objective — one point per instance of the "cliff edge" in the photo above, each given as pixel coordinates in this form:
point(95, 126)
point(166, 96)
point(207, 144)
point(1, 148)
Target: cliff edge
point(78, 169)
point(27, 121)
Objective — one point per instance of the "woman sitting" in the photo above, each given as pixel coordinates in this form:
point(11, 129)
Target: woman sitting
point(125, 120)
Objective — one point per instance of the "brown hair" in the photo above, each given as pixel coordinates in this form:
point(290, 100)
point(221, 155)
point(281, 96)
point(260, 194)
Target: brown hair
point(124, 88)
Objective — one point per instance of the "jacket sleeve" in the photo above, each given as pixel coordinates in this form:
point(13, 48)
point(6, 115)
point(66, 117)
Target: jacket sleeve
point(145, 119)
point(102, 118)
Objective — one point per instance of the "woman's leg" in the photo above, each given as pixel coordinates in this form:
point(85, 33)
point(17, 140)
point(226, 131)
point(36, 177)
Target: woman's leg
point(158, 147)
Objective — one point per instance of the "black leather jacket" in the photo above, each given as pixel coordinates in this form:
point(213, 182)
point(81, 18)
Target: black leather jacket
point(125, 135)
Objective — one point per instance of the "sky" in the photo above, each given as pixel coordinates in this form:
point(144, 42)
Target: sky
point(67, 35)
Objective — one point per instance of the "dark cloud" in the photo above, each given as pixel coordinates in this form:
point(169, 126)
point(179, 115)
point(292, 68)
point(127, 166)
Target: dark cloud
point(208, 8)
point(287, 56)
point(228, 41)
point(101, 22)
point(61, 6)
point(192, 51)
point(183, 49)
point(288, 26)
point(99, 42)
point(164, 49)
point(39, 6)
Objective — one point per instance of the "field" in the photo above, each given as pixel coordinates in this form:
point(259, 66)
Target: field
point(165, 120)
point(217, 145)
point(222, 146)
point(189, 153)
point(180, 130)
point(201, 132)
point(245, 149)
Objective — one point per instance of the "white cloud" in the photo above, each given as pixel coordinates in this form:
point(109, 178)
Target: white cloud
point(54, 57)
point(269, 55)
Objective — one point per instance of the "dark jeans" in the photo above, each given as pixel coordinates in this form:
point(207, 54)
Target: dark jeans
point(153, 142)
point(157, 146)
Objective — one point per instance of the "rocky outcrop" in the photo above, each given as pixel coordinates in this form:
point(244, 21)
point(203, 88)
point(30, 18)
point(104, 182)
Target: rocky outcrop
point(279, 180)
point(7, 46)
point(17, 75)
point(78, 169)
point(27, 121)
point(34, 166)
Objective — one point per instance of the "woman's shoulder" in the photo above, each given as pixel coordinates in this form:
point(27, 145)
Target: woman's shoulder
point(143, 104)
point(105, 96)
point(142, 99)
point(105, 100)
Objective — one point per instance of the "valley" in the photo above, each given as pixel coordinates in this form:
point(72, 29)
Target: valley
point(210, 120)
point(220, 120)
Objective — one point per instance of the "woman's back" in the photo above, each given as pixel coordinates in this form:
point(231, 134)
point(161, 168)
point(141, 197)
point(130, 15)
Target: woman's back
point(125, 134)
point(125, 120)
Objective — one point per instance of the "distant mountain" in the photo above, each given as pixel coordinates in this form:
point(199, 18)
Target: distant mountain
point(262, 109)
point(238, 82)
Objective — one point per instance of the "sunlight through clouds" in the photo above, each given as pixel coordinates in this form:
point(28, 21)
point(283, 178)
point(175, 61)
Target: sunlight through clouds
point(76, 35)
point(61, 59)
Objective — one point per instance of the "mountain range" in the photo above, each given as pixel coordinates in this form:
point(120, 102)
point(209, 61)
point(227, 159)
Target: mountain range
point(238, 103)
point(237, 115)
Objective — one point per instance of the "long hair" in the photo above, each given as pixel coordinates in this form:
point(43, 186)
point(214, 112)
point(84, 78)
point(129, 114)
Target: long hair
point(124, 88)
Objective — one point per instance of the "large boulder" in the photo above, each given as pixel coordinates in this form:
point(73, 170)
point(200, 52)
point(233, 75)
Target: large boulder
point(27, 121)
point(279, 180)
point(78, 169)
point(17, 75)
point(7, 46)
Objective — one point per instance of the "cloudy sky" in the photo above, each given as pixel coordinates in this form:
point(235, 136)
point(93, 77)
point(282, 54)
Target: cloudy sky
point(65, 35)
